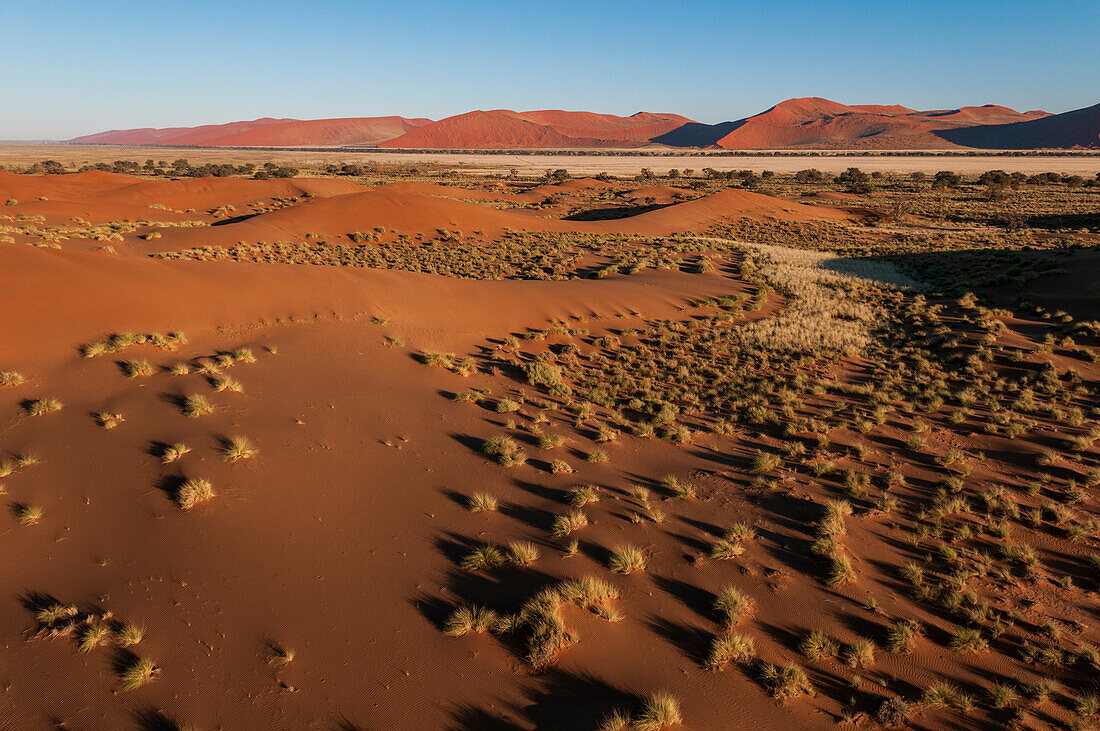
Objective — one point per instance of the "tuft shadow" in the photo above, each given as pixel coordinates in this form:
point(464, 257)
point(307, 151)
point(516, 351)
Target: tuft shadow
point(694, 642)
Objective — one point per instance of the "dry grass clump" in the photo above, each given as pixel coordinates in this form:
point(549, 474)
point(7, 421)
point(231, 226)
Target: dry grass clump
point(724, 549)
point(616, 720)
point(841, 571)
point(226, 383)
point(93, 636)
point(732, 606)
point(10, 379)
point(678, 489)
point(727, 648)
point(137, 672)
point(817, 645)
point(130, 635)
point(138, 368)
point(504, 450)
point(786, 681)
point(27, 514)
point(660, 710)
point(173, 453)
point(470, 619)
point(551, 441)
point(484, 558)
point(968, 640)
point(107, 420)
point(540, 617)
point(583, 495)
point(244, 355)
point(626, 559)
point(740, 532)
point(197, 405)
point(42, 406)
point(570, 522)
point(765, 462)
point(119, 342)
point(482, 502)
point(192, 492)
point(238, 448)
point(861, 653)
point(902, 636)
point(560, 467)
point(943, 695)
point(522, 553)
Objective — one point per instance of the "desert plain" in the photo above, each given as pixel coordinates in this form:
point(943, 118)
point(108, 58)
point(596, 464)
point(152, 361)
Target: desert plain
point(349, 440)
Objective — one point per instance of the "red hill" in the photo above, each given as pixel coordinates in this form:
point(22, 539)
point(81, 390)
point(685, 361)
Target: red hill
point(505, 129)
point(805, 123)
point(814, 122)
point(266, 133)
point(1079, 128)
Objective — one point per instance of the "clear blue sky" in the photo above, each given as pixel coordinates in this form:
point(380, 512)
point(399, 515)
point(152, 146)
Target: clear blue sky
point(75, 67)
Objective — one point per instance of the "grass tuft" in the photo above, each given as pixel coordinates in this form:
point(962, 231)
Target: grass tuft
point(93, 636)
point(138, 672)
point(238, 448)
point(130, 635)
point(571, 522)
point(484, 558)
point(196, 406)
point(10, 379)
point(786, 681)
point(482, 502)
point(660, 709)
point(138, 368)
point(41, 406)
point(728, 648)
point(627, 559)
point(470, 619)
point(192, 492)
point(27, 514)
point(173, 453)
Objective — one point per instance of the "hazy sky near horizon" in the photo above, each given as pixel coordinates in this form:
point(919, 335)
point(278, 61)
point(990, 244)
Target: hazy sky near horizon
point(76, 67)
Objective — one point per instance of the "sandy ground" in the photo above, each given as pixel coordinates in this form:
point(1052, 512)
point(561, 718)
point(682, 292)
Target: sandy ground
point(342, 538)
point(579, 164)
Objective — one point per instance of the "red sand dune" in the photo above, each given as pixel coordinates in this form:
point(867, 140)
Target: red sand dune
point(337, 207)
point(100, 197)
point(661, 193)
point(1079, 128)
point(451, 191)
point(267, 133)
point(398, 208)
point(699, 214)
point(168, 135)
point(640, 127)
point(814, 122)
point(503, 128)
point(806, 122)
point(576, 186)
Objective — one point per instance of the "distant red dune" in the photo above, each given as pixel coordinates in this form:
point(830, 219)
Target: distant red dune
point(807, 123)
